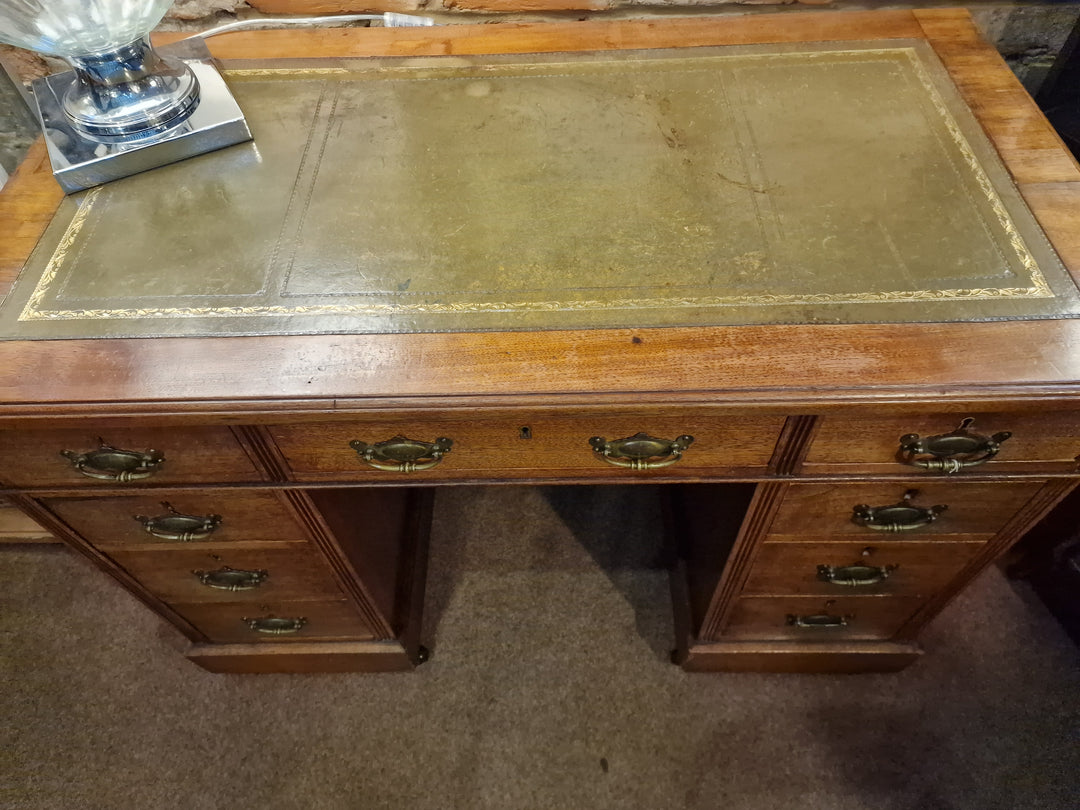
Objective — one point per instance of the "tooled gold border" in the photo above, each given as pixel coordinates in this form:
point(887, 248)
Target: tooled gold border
point(1039, 289)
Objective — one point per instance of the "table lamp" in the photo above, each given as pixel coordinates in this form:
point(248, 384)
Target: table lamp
point(124, 107)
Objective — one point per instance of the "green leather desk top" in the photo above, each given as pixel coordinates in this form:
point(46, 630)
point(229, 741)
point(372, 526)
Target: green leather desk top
point(705, 186)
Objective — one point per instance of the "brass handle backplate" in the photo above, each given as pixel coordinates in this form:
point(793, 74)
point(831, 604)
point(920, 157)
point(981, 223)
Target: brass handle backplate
point(232, 579)
point(402, 455)
point(817, 620)
point(950, 452)
point(273, 626)
point(641, 451)
point(179, 527)
point(900, 517)
point(112, 464)
point(854, 576)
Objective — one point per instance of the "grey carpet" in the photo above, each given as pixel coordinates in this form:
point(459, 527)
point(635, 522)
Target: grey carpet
point(548, 688)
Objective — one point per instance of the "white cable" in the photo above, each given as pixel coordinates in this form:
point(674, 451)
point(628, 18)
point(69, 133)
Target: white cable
point(389, 19)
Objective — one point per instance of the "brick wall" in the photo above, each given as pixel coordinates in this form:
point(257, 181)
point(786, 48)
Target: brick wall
point(1029, 35)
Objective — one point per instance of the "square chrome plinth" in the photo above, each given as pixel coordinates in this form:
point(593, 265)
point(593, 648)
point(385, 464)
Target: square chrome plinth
point(80, 163)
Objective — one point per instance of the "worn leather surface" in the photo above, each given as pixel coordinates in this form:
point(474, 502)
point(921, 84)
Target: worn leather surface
point(706, 186)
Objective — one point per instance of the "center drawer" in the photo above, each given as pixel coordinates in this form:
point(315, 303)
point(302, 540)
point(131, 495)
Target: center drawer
point(528, 445)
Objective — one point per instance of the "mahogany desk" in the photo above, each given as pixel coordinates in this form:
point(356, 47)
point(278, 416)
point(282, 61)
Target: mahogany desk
point(267, 540)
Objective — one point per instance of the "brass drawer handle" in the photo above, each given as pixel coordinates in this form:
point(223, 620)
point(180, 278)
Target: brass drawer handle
point(854, 576)
point(900, 517)
point(179, 527)
point(950, 452)
point(232, 579)
point(402, 455)
point(641, 451)
point(817, 620)
point(273, 626)
point(112, 464)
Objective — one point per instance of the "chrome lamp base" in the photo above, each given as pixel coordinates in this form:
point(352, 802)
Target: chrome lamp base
point(80, 161)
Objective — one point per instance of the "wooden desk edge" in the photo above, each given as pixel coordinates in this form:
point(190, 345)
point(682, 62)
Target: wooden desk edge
point(850, 361)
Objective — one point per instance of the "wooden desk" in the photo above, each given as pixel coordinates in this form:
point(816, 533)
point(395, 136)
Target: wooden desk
point(794, 426)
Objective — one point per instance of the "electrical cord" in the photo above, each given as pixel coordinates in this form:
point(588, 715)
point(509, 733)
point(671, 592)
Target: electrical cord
point(389, 19)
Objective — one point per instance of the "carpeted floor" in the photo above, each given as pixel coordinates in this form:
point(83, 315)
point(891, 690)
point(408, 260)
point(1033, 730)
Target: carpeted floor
point(549, 687)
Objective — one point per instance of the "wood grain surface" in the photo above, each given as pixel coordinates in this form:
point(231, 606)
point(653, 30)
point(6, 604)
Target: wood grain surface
point(766, 403)
point(916, 568)
point(823, 363)
point(825, 510)
point(245, 516)
point(191, 455)
point(226, 623)
point(294, 572)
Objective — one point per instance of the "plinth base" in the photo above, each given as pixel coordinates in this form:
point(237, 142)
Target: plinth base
point(299, 657)
point(776, 656)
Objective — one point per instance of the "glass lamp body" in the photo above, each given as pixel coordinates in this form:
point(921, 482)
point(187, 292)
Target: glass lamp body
point(123, 89)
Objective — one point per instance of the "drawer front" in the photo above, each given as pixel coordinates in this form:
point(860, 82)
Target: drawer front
point(293, 571)
point(138, 456)
point(530, 446)
point(179, 516)
point(780, 617)
point(1048, 441)
point(900, 567)
point(826, 511)
point(318, 620)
